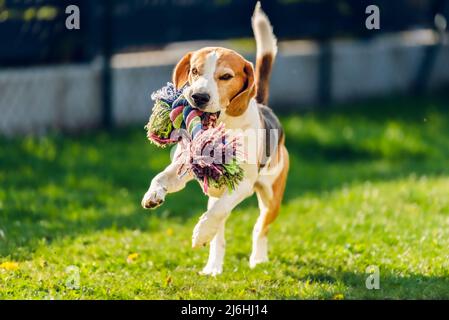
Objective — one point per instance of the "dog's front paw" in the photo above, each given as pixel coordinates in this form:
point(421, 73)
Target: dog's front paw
point(154, 197)
point(213, 270)
point(204, 231)
point(255, 260)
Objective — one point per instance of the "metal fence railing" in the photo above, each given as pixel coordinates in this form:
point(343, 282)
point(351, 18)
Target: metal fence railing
point(34, 31)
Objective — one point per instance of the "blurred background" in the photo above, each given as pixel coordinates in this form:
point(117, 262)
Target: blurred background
point(102, 74)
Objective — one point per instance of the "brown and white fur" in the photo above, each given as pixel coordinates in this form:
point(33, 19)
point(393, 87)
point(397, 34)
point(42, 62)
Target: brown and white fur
point(222, 80)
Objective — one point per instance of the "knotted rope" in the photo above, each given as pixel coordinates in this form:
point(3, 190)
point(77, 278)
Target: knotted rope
point(212, 159)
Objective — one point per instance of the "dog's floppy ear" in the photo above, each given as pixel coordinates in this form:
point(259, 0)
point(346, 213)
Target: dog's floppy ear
point(181, 72)
point(239, 103)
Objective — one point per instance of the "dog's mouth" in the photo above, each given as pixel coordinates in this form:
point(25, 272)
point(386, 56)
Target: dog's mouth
point(209, 120)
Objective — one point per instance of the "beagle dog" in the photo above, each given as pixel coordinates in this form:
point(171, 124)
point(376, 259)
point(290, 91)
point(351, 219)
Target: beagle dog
point(222, 81)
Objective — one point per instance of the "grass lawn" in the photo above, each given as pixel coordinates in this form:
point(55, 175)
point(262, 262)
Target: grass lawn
point(365, 188)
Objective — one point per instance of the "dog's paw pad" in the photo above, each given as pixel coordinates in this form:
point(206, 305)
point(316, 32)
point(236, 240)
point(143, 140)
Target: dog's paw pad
point(152, 205)
point(153, 198)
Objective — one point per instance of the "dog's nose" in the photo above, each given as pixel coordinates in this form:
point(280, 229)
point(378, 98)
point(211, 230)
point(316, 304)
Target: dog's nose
point(200, 99)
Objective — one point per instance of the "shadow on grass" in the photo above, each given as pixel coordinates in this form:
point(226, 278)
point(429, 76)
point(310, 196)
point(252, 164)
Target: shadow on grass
point(391, 286)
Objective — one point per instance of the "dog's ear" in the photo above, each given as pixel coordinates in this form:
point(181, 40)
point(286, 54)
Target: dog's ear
point(181, 72)
point(239, 103)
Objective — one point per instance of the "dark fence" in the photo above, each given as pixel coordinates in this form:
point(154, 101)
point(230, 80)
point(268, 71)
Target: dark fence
point(34, 32)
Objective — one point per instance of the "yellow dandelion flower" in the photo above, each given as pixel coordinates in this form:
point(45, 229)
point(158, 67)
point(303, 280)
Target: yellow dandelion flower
point(132, 257)
point(338, 296)
point(10, 266)
point(169, 232)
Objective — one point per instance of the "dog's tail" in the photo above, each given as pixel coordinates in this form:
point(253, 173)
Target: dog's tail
point(266, 52)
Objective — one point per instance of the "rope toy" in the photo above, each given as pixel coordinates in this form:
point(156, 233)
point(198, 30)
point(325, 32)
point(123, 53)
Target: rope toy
point(212, 159)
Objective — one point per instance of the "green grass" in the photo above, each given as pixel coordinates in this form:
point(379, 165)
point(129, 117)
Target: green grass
point(368, 185)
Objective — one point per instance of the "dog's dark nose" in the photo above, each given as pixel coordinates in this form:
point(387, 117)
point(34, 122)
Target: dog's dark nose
point(200, 99)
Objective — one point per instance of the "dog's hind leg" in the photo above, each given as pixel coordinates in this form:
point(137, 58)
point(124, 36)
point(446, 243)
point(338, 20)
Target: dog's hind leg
point(217, 248)
point(270, 191)
point(259, 252)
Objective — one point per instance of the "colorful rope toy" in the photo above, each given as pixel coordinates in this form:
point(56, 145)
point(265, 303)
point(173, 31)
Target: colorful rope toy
point(212, 159)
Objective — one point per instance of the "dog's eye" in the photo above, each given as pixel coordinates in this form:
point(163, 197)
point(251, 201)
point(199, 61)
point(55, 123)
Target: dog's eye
point(226, 76)
point(194, 71)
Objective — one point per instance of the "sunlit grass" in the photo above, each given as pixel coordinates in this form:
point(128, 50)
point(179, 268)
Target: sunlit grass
point(365, 188)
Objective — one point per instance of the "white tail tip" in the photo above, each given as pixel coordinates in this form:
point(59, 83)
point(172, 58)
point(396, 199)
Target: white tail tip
point(263, 32)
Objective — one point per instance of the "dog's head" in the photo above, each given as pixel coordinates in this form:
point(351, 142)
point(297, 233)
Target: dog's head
point(218, 79)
